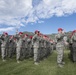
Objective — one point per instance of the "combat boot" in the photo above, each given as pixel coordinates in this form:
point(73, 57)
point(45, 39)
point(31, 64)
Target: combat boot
point(63, 63)
point(36, 63)
point(60, 65)
point(3, 60)
point(18, 61)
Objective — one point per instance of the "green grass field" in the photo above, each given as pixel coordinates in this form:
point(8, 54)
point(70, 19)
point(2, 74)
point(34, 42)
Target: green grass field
point(46, 67)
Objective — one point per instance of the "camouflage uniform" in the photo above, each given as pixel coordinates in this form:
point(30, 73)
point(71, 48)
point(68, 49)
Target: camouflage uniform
point(3, 50)
point(25, 51)
point(0, 47)
point(73, 51)
point(40, 48)
point(4, 46)
point(11, 47)
point(14, 46)
point(50, 47)
point(35, 40)
point(18, 47)
point(60, 47)
point(45, 48)
point(30, 47)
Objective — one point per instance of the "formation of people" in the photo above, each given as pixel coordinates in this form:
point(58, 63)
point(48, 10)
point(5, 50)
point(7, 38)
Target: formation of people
point(38, 46)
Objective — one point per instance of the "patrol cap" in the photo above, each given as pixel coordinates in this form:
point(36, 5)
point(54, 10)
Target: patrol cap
point(60, 29)
point(31, 37)
point(20, 33)
point(37, 31)
point(5, 33)
point(74, 31)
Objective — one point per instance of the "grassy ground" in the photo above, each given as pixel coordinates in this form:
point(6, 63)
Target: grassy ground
point(46, 67)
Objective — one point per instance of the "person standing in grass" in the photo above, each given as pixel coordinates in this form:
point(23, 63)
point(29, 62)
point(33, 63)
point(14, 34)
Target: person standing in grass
point(4, 48)
point(60, 47)
point(35, 42)
point(73, 42)
point(18, 46)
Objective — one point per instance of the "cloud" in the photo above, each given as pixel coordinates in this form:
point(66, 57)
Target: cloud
point(46, 9)
point(7, 29)
point(18, 13)
point(12, 12)
point(40, 21)
point(49, 8)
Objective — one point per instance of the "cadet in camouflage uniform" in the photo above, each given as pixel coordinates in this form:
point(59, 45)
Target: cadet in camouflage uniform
point(35, 41)
point(18, 46)
point(51, 46)
point(73, 41)
point(49, 49)
point(70, 46)
point(30, 46)
point(60, 47)
point(40, 47)
point(14, 46)
point(11, 46)
point(3, 45)
point(0, 47)
point(25, 51)
point(45, 46)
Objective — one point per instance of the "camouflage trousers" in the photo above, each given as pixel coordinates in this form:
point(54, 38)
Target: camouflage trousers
point(3, 52)
point(71, 51)
point(23, 52)
point(18, 53)
point(36, 54)
point(30, 49)
point(51, 49)
point(47, 51)
point(40, 53)
point(60, 52)
point(74, 52)
point(26, 52)
point(10, 52)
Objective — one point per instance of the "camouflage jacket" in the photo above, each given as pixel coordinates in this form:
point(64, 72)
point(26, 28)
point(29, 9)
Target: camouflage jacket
point(4, 41)
point(18, 41)
point(35, 41)
point(60, 40)
point(73, 38)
